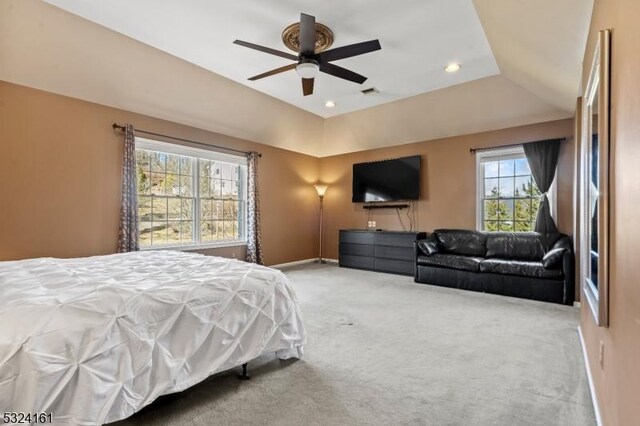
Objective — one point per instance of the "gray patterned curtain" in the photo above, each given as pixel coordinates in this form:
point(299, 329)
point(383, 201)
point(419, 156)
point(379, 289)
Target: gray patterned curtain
point(128, 237)
point(543, 159)
point(254, 243)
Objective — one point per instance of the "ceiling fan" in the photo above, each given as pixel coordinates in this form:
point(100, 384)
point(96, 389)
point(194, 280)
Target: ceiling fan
point(309, 63)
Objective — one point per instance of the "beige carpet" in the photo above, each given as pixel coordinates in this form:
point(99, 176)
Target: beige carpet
point(383, 350)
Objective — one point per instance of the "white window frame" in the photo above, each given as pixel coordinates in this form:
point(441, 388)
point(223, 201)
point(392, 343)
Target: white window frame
point(505, 154)
point(172, 148)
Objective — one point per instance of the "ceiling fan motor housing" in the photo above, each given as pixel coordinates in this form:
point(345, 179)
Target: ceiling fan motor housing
point(308, 60)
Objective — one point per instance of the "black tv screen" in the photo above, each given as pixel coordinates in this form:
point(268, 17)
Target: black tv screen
point(389, 180)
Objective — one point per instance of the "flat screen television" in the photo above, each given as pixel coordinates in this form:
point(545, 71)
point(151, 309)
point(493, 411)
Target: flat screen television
point(388, 180)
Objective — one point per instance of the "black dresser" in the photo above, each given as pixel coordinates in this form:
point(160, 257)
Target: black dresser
point(383, 251)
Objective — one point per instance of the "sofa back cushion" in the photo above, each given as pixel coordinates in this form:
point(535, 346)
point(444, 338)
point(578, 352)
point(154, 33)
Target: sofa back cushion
point(462, 242)
point(429, 246)
point(518, 246)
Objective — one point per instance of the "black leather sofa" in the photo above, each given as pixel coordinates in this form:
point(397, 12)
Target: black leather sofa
point(527, 265)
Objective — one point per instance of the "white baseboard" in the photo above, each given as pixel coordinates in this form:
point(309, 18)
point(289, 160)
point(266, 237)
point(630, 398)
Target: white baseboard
point(594, 397)
point(300, 262)
point(288, 264)
point(576, 304)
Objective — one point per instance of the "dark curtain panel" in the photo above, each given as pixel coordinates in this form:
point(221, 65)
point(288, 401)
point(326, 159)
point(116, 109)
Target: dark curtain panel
point(254, 241)
point(543, 160)
point(128, 233)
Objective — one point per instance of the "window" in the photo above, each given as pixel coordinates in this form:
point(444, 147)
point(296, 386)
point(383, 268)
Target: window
point(507, 195)
point(594, 195)
point(188, 197)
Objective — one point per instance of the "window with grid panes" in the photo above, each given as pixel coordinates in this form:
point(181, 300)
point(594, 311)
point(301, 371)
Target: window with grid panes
point(189, 197)
point(508, 197)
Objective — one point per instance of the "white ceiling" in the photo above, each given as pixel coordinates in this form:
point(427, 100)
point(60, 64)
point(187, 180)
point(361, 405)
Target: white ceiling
point(418, 38)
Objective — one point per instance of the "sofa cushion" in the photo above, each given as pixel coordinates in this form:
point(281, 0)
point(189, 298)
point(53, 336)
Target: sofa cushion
point(553, 258)
point(429, 245)
point(452, 261)
point(460, 241)
point(519, 267)
point(520, 246)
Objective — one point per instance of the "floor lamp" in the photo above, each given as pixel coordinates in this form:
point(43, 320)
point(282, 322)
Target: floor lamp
point(321, 190)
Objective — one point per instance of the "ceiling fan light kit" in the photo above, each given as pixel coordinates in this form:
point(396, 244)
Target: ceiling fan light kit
point(308, 68)
point(312, 41)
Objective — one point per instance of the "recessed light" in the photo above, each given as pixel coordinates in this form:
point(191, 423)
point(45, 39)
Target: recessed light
point(329, 104)
point(452, 67)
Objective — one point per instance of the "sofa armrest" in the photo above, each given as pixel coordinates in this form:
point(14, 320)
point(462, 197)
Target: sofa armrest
point(424, 247)
point(415, 260)
point(568, 268)
point(569, 279)
point(564, 242)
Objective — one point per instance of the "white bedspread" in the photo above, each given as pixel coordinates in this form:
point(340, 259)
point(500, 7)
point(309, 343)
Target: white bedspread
point(93, 340)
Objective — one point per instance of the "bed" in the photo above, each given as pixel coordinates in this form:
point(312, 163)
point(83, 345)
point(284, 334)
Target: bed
point(93, 340)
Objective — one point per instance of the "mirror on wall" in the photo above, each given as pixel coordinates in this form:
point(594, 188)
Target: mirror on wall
point(594, 184)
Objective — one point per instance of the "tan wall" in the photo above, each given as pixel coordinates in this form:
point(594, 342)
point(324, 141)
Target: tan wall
point(617, 382)
point(48, 48)
point(60, 164)
point(64, 163)
point(448, 186)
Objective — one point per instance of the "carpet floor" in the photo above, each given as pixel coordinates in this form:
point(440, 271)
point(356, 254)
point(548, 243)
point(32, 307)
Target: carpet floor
point(383, 350)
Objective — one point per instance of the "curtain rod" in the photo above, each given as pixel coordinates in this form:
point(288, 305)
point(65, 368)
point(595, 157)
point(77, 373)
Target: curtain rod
point(474, 150)
point(119, 127)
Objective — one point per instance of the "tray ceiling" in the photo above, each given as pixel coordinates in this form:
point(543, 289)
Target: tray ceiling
point(418, 38)
point(521, 65)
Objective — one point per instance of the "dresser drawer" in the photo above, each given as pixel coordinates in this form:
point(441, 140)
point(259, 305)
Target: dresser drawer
point(399, 253)
point(356, 249)
point(356, 237)
point(396, 240)
point(394, 266)
point(356, 261)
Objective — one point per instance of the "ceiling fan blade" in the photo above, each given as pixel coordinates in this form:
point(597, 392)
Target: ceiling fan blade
point(340, 72)
point(307, 86)
point(273, 72)
point(307, 34)
point(350, 51)
point(266, 50)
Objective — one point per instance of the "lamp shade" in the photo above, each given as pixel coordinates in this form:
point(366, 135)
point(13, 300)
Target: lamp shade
point(321, 189)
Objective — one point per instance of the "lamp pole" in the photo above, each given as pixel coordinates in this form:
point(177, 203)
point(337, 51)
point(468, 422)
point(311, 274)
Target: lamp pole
point(320, 259)
point(321, 190)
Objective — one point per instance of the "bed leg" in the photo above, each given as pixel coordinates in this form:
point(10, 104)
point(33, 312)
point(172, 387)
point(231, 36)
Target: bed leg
point(244, 375)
